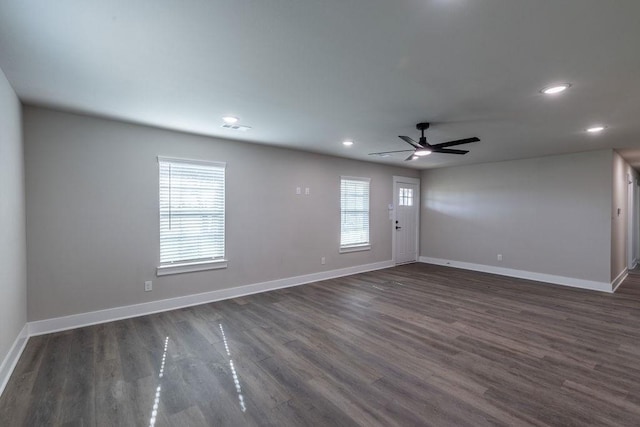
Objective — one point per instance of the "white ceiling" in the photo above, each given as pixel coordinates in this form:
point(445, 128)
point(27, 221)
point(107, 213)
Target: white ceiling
point(311, 73)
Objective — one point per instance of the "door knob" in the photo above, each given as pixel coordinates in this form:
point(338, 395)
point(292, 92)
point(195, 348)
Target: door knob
point(398, 228)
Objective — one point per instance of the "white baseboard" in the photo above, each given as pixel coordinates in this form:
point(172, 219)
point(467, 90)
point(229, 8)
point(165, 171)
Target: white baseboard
point(619, 279)
point(529, 275)
point(57, 324)
point(10, 361)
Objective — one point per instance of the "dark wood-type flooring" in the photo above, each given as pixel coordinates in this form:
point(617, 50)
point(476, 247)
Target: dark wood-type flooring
point(411, 345)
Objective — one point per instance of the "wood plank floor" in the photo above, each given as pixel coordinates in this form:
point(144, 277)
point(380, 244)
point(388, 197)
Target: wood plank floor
point(411, 345)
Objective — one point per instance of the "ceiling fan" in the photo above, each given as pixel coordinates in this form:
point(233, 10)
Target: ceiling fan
point(423, 148)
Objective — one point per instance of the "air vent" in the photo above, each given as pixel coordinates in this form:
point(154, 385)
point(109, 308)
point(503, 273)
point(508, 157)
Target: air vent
point(232, 126)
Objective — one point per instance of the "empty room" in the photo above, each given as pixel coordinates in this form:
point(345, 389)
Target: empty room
point(319, 213)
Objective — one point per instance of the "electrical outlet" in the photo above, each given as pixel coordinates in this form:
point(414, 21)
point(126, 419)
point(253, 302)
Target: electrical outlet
point(499, 257)
point(307, 191)
point(323, 260)
point(148, 286)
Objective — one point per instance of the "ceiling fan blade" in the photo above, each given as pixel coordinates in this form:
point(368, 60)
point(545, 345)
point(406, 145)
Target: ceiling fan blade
point(410, 141)
point(447, 151)
point(409, 158)
point(389, 152)
point(456, 142)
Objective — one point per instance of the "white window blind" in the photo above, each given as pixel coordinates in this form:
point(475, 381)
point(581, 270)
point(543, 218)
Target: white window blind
point(192, 196)
point(354, 212)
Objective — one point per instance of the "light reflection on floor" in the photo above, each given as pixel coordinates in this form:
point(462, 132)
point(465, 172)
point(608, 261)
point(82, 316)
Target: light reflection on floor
point(236, 380)
point(156, 402)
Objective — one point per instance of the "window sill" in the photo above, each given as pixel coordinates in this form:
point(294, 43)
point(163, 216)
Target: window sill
point(164, 270)
point(355, 248)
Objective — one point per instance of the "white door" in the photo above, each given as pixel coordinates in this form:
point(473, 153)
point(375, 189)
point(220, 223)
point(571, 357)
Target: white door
point(405, 223)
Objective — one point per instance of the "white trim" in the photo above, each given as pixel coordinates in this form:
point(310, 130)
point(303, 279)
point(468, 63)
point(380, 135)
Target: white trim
point(408, 180)
point(73, 321)
point(619, 279)
point(189, 267)
point(222, 165)
point(631, 213)
point(355, 178)
point(396, 181)
point(354, 248)
point(11, 359)
point(521, 274)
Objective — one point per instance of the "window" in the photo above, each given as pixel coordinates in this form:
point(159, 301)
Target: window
point(406, 197)
point(192, 195)
point(354, 214)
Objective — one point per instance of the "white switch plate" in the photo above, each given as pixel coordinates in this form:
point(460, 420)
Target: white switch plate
point(298, 190)
point(307, 191)
point(148, 286)
point(323, 260)
point(499, 257)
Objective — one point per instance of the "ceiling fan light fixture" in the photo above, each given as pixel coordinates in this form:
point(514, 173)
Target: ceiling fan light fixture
point(423, 148)
point(555, 89)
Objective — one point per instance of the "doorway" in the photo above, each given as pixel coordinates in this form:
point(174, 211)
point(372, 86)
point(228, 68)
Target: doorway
point(406, 219)
point(632, 221)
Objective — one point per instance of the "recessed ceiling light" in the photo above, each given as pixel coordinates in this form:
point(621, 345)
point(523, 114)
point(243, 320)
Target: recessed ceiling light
point(422, 152)
point(230, 119)
point(347, 143)
point(552, 90)
point(596, 129)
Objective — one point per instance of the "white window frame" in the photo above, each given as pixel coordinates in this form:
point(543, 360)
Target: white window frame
point(405, 198)
point(192, 265)
point(362, 246)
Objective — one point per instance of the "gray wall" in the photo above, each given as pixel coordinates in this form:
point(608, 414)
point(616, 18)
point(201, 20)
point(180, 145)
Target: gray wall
point(92, 211)
point(546, 215)
point(13, 284)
